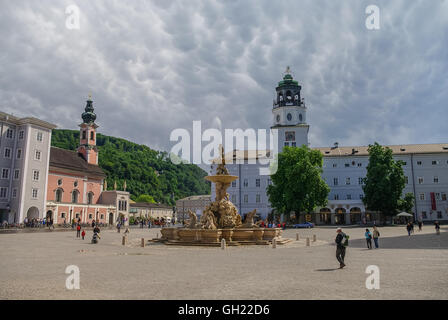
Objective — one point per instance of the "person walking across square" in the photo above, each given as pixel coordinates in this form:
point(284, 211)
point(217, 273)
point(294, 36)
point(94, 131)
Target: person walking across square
point(368, 236)
point(341, 243)
point(376, 236)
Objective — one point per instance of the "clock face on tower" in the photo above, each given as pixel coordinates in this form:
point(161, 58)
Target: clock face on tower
point(278, 118)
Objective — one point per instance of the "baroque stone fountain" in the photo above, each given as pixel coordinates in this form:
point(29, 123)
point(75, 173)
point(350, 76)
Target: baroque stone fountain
point(220, 220)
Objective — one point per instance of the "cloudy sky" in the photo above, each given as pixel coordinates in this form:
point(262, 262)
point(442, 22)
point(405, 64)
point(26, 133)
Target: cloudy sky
point(153, 66)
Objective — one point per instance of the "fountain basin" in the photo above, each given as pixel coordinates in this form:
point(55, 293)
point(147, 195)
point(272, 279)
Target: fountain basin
point(221, 178)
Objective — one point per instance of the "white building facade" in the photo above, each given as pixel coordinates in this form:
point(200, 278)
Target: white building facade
point(426, 170)
point(24, 155)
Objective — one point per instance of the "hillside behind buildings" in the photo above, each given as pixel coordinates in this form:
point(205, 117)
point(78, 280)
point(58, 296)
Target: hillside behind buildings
point(146, 171)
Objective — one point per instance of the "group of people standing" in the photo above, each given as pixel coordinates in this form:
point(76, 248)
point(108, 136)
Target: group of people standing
point(375, 235)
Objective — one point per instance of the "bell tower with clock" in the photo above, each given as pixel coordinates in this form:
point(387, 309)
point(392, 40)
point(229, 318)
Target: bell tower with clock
point(289, 113)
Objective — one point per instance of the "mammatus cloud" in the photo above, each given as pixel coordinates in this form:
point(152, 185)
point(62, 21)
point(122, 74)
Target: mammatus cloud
point(153, 66)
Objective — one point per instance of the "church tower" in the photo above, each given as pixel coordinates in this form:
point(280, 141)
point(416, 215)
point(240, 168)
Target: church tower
point(289, 113)
point(87, 137)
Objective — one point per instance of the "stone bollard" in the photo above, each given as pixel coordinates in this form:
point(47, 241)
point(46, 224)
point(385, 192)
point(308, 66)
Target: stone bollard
point(314, 238)
point(143, 242)
point(274, 243)
point(297, 237)
point(223, 244)
point(125, 240)
point(307, 242)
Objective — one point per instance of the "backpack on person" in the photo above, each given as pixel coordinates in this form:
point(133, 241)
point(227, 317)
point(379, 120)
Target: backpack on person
point(344, 240)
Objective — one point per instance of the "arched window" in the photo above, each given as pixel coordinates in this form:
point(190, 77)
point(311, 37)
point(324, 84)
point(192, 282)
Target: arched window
point(300, 117)
point(90, 198)
point(92, 135)
point(75, 195)
point(84, 134)
point(59, 195)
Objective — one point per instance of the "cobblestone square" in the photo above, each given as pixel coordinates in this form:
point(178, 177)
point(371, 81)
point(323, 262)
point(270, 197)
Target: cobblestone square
point(33, 267)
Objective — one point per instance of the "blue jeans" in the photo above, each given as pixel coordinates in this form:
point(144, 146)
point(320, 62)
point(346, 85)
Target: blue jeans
point(376, 242)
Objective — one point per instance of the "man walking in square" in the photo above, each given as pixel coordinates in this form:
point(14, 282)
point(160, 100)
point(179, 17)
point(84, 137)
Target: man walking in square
point(341, 242)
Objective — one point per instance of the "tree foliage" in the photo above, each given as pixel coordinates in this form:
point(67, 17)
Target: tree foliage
point(384, 182)
point(407, 203)
point(145, 198)
point(146, 171)
point(297, 185)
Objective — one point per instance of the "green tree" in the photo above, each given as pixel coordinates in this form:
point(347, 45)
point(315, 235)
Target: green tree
point(384, 182)
point(407, 203)
point(297, 185)
point(145, 198)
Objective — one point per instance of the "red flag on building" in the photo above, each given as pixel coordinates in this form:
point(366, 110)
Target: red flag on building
point(433, 201)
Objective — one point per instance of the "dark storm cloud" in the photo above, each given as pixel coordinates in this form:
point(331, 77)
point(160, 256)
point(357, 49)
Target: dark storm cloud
point(156, 66)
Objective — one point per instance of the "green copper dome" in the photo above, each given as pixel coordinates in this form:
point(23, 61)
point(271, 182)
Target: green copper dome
point(89, 116)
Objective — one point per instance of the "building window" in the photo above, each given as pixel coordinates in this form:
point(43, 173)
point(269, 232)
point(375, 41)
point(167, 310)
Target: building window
point(286, 144)
point(19, 154)
point(59, 195)
point(349, 197)
point(245, 183)
point(63, 215)
point(77, 215)
point(233, 198)
point(434, 162)
point(335, 165)
point(437, 196)
point(257, 183)
point(39, 136)
point(92, 135)
point(34, 193)
point(14, 193)
point(443, 196)
point(90, 216)
point(335, 181)
point(420, 180)
point(422, 196)
point(347, 165)
point(360, 179)
point(102, 216)
point(234, 184)
point(293, 144)
point(336, 197)
point(21, 134)
point(347, 181)
point(439, 214)
point(419, 163)
point(436, 179)
point(3, 192)
point(359, 164)
point(5, 173)
point(84, 134)
point(9, 133)
point(269, 182)
point(37, 155)
point(75, 184)
point(406, 179)
point(424, 214)
point(59, 182)
point(90, 198)
point(7, 153)
point(361, 196)
point(16, 174)
point(75, 194)
point(258, 198)
point(246, 198)
point(36, 175)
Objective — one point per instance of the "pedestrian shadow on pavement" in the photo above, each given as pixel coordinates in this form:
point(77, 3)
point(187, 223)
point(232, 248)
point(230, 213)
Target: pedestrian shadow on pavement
point(334, 269)
point(415, 241)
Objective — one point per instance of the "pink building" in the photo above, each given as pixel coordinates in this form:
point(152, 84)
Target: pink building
point(75, 182)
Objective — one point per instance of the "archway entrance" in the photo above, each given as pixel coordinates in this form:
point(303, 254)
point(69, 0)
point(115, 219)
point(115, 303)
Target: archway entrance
point(111, 219)
point(355, 215)
point(32, 213)
point(49, 215)
point(339, 217)
point(325, 216)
